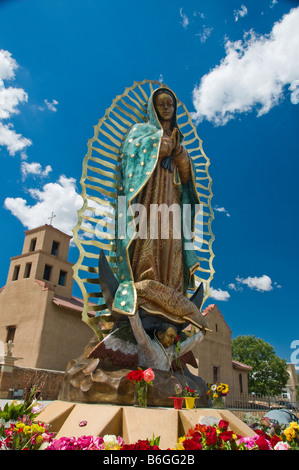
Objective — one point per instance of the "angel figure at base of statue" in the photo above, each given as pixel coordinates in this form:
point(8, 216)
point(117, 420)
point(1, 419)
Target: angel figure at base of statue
point(157, 349)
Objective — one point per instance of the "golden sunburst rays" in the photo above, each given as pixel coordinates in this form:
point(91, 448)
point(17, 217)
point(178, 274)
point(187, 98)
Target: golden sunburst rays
point(95, 229)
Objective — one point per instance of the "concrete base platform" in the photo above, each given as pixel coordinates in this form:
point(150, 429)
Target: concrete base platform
point(132, 423)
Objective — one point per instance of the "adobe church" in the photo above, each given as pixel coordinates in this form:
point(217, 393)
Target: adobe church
point(37, 310)
point(42, 320)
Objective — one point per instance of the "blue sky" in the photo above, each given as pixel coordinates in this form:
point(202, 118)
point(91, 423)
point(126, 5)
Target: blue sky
point(234, 64)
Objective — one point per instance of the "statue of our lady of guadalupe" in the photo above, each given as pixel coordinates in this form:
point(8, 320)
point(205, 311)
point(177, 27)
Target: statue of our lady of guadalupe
point(147, 267)
point(156, 259)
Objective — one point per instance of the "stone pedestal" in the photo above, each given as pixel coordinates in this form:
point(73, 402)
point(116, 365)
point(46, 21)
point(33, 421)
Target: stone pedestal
point(131, 423)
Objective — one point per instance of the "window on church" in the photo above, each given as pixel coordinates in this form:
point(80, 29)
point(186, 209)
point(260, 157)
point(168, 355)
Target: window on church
point(32, 244)
point(55, 246)
point(62, 278)
point(27, 270)
point(16, 273)
point(216, 374)
point(47, 272)
point(241, 383)
point(10, 332)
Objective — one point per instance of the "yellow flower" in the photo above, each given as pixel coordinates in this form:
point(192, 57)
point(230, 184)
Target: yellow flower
point(39, 439)
point(291, 431)
point(178, 447)
point(35, 428)
point(20, 425)
point(179, 444)
point(27, 429)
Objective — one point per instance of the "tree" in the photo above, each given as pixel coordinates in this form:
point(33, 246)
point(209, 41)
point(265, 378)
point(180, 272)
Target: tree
point(269, 373)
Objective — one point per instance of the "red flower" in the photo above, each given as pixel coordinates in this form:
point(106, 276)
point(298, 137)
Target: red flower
point(140, 445)
point(223, 425)
point(274, 440)
point(263, 443)
point(226, 436)
point(211, 436)
point(192, 444)
point(135, 375)
point(197, 430)
point(259, 432)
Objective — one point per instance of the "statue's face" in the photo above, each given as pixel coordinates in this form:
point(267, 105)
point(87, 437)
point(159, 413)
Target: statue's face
point(168, 338)
point(164, 104)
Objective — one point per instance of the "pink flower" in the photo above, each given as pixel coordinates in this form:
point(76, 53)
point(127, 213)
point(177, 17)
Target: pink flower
point(282, 446)
point(248, 441)
point(47, 437)
point(265, 421)
point(148, 375)
point(37, 408)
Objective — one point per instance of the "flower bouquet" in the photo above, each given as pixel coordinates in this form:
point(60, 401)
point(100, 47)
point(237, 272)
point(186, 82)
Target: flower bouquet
point(217, 392)
point(24, 434)
point(187, 394)
point(141, 378)
point(292, 435)
point(190, 396)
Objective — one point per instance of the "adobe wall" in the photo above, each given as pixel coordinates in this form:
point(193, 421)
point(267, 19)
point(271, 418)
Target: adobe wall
point(215, 349)
point(24, 308)
point(47, 336)
point(47, 381)
point(63, 338)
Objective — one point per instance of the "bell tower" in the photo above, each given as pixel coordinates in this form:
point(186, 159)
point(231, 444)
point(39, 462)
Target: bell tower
point(44, 258)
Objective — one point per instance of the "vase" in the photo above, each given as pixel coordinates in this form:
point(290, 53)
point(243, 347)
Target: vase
point(218, 402)
point(190, 402)
point(140, 395)
point(177, 402)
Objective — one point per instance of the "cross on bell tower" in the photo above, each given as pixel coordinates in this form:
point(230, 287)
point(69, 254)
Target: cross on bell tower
point(51, 218)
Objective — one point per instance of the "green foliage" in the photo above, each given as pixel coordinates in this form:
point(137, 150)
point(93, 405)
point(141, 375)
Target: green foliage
point(16, 410)
point(269, 372)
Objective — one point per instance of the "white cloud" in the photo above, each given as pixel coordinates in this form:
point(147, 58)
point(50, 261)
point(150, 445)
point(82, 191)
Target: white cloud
point(219, 294)
point(221, 209)
point(10, 99)
point(8, 65)
point(50, 106)
point(61, 198)
point(34, 168)
point(235, 287)
point(253, 74)
point(206, 32)
point(200, 14)
point(274, 2)
point(240, 13)
point(185, 18)
point(11, 140)
point(261, 284)
point(295, 89)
